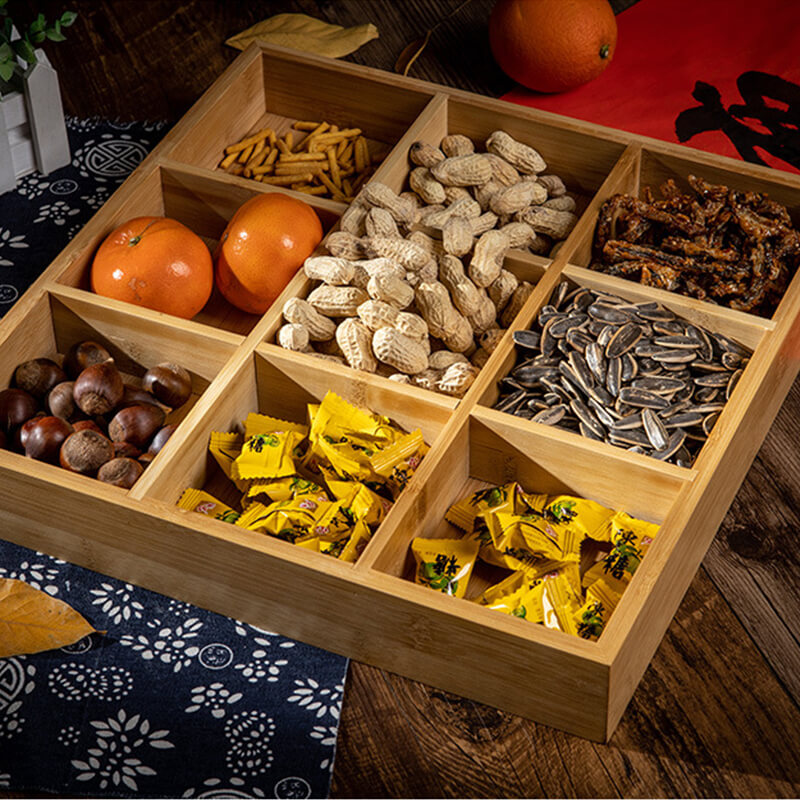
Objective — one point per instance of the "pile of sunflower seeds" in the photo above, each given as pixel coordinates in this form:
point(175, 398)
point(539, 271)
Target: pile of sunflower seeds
point(630, 374)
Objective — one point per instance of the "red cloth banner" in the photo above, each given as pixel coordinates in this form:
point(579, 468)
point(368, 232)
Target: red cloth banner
point(718, 75)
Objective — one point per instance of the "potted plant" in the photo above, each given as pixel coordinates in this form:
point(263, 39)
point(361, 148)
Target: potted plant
point(33, 134)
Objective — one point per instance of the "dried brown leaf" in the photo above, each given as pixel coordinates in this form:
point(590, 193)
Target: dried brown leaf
point(32, 621)
point(306, 33)
point(411, 52)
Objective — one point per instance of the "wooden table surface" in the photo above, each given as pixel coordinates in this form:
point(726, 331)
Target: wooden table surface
point(717, 711)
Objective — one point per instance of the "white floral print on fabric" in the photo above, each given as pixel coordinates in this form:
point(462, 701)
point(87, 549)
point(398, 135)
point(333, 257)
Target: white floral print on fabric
point(215, 698)
point(5, 780)
point(112, 760)
point(259, 666)
point(117, 602)
point(7, 241)
point(322, 700)
point(217, 788)
point(77, 682)
point(291, 788)
point(111, 157)
point(34, 573)
point(32, 186)
point(58, 212)
point(69, 736)
point(249, 734)
point(169, 645)
point(16, 682)
point(327, 738)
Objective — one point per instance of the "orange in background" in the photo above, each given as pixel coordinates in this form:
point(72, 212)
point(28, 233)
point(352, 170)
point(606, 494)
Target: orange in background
point(265, 243)
point(552, 45)
point(155, 262)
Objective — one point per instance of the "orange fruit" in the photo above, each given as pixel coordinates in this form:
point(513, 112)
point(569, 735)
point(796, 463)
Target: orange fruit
point(265, 243)
point(155, 262)
point(552, 45)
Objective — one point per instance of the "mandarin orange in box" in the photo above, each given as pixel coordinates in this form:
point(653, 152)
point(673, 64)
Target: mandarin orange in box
point(265, 243)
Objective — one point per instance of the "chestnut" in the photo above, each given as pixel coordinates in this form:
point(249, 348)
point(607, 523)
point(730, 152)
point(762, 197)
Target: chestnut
point(85, 451)
point(44, 438)
point(60, 400)
point(125, 450)
point(83, 355)
point(38, 376)
point(136, 425)
point(16, 406)
point(122, 472)
point(20, 436)
point(146, 458)
point(160, 439)
point(169, 383)
point(88, 424)
point(133, 396)
point(99, 388)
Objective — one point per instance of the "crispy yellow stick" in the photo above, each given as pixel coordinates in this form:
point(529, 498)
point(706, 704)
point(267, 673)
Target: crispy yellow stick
point(228, 160)
point(303, 157)
point(347, 154)
point(287, 180)
point(364, 150)
point(303, 167)
point(334, 167)
point(340, 148)
point(283, 147)
point(347, 187)
point(289, 139)
point(303, 125)
point(321, 128)
point(239, 146)
point(238, 169)
point(334, 190)
point(273, 154)
point(312, 189)
point(263, 169)
point(257, 159)
point(359, 181)
point(358, 155)
point(244, 156)
point(271, 137)
point(347, 133)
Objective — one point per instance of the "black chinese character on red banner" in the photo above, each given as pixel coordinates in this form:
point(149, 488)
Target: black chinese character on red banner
point(769, 118)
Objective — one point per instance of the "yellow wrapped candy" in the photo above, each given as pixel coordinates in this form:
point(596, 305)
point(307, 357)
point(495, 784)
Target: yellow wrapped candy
point(587, 518)
point(630, 539)
point(275, 489)
point(289, 520)
point(203, 503)
point(356, 543)
point(592, 616)
point(560, 602)
point(226, 448)
point(361, 500)
point(262, 423)
point(496, 498)
point(398, 462)
point(444, 564)
point(268, 455)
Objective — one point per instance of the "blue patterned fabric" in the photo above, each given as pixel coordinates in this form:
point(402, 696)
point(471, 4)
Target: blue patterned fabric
point(173, 701)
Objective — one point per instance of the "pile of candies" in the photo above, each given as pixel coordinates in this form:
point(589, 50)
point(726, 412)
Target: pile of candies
point(541, 539)
point(283, 470)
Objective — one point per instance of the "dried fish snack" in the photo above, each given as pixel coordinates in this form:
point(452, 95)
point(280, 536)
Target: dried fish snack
point(630, 374)
point(738, 249)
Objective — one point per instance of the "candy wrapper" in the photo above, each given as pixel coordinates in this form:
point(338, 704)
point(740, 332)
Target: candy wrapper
point(362, 459)
point(444, 564)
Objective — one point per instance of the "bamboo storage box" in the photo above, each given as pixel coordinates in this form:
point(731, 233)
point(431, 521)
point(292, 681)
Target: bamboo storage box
point(371, 611)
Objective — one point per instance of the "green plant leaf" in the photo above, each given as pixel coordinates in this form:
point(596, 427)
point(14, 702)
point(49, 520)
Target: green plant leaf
point(55, 35)
point(38, 37)
point(68, 17)
point(6, 70)
point(6, 53)
point(23, 49)
point(306, 33)
point(39, 24)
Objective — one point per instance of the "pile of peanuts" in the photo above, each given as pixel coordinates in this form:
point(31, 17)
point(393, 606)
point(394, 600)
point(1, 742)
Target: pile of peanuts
point(413, 288)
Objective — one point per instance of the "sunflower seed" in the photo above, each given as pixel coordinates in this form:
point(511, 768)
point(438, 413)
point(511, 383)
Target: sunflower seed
point(587, 417)
point(608, 314)
point(668, 328)
point(623, 339)
point(511, 401)
point(707, 395)
point(731, 360)
point(674, 356)
point(659, 384)
point(732, 383)
point(654, 428)
point(561, 326)
point(678, 341)
point(579, 340)
point(716, 379)
point(629, 422)
point(630, 367)
point(560, 294)
point(641, 398)
point(709, 422)
point(550, 416)
point(674, 444)
point(614, 376)
point(683, 420)
point(589, 432)
point(658, 314)
point(581, 369)
point(603, 413)
point(627, 437)
point(527, 340)
point(596, 361)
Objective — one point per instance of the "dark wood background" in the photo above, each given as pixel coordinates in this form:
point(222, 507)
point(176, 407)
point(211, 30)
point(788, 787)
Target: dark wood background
point(717, 711)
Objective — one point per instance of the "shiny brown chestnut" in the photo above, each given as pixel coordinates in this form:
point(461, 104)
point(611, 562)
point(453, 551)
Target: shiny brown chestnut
point(160, 439)
point(44, 438)
point(126, 450)
point(83, 355)
point(136, 425)
point(61, 402)
point(85, 452)
point(16, 407)
point(88, 424)
point(170, 384)
point(133, 396)
point(123, 472)
point(145, 459)
point(98, 389)
point(38, 376)
point(19, 438)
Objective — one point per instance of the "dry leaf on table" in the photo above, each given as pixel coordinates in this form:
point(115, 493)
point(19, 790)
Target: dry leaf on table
point(306, 33)
point(32, 621)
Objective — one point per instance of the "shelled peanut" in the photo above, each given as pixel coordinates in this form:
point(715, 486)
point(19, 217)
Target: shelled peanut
point(315, 158)
point(86, 416)
point(415, 292)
